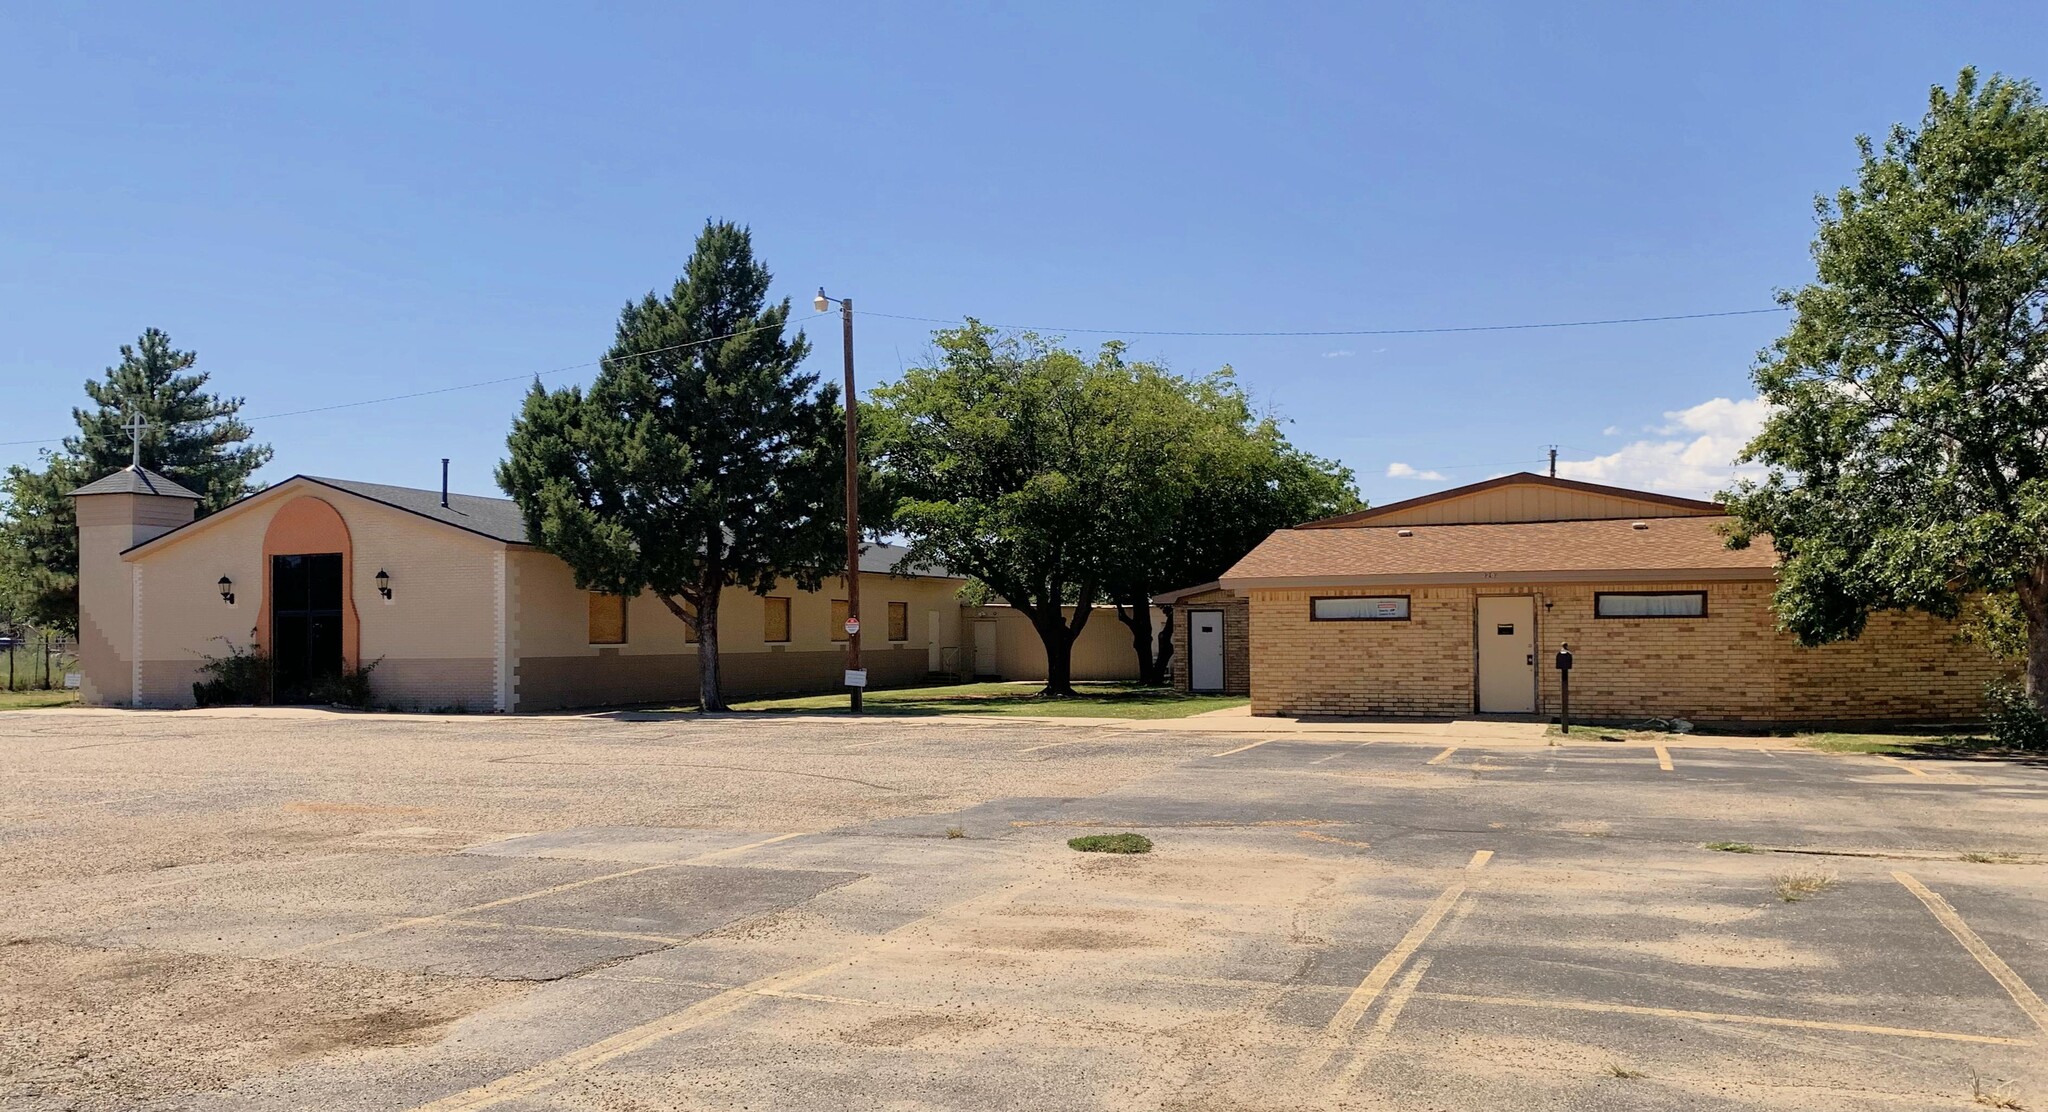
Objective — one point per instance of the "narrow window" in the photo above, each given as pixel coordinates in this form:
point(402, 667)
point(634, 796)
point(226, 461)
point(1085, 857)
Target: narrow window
point(607, 619)
point(1383, 608)
point(839, 612)
point(899, 621)
point(1650, 604)
point(775, 618)
point(689, 631)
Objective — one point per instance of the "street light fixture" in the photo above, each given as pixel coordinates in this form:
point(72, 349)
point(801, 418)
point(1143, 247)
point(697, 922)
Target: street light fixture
point(856, 679)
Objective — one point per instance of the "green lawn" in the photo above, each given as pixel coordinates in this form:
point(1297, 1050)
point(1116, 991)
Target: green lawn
point(1094, 700)
point(1826, 742)
point(23, 700)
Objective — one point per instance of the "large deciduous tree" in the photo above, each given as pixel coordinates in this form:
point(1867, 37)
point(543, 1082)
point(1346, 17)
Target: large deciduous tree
point(1000, 458)
point(195, 438)
point(1908, 440)
point(699, 459)
point(1203, 479)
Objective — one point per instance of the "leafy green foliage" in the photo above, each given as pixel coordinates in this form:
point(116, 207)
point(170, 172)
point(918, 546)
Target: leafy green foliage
point(351, 688)
point(698, 459)
point(1110, 843)
point(1908, 441)
point(2017, 720)
point(194, 437)
point(1201, 479)
point(240, 678)
point(1001, 465)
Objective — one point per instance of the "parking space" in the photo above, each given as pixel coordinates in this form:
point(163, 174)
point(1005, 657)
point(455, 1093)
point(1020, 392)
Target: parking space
point(392, 914)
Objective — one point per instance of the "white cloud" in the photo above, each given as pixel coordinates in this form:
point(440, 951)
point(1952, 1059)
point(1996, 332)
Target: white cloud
point(1691, 453)
point(1611, 430)
point(1340, 353)
point(1403, 471)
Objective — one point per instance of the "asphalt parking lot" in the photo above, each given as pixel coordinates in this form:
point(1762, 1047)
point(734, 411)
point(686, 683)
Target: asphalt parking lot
point(388, 913)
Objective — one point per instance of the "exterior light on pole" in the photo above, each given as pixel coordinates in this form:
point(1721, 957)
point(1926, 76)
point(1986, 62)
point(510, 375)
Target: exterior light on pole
point(856, 677)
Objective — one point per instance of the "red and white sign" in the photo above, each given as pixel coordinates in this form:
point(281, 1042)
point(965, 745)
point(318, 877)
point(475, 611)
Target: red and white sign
point(852, 626)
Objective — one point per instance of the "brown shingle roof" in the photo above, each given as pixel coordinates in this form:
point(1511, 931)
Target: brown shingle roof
point(1524, 551)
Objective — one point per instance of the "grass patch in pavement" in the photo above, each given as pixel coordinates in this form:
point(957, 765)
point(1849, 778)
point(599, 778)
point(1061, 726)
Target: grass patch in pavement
point(33, 700)
point(1091, 700)
point(1111, 843)
point(1793, 887)
point(1732, 847)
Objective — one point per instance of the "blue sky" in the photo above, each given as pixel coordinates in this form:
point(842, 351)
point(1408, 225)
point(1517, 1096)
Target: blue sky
point(333, 205)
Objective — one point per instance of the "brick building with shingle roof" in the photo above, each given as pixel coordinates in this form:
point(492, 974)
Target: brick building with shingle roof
point(1455, 603)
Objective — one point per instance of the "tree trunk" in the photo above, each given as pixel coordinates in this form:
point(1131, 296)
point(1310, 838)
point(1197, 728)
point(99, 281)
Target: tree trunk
point(709, 695)
point(2033, 592)
point(1138, 618)
point(1059, 661)
point(1165, 659)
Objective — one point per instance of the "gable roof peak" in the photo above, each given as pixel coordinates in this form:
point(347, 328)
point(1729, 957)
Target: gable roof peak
point(1618, 499)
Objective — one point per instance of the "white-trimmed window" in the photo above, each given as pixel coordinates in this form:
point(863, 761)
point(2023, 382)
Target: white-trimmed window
point(1650, 604)
point(1376, 608)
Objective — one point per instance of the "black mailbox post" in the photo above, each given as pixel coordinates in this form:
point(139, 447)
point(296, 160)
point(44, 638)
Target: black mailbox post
point(1564, 685)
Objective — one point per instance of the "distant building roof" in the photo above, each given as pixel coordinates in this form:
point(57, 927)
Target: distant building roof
point(499, 518)
point(1666, 547)
point(135, 480)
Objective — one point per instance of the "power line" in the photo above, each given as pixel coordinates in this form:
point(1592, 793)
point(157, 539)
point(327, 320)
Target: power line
point(1443, 330)
point(474, 385)
point(1358, 331)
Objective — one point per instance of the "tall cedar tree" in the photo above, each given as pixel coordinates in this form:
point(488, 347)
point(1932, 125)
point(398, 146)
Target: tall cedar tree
point(1908, 439)
point(195, 438)
point(699, 459)
point(1202, 479)
point(1002, 459)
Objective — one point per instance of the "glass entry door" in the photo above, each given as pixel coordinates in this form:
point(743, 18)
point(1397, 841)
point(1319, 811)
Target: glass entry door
point(305, 624)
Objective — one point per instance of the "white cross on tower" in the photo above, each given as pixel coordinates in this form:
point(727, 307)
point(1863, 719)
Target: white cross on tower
point(136, 426)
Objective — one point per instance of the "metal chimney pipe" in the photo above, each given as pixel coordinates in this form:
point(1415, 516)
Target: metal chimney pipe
point(444, 482)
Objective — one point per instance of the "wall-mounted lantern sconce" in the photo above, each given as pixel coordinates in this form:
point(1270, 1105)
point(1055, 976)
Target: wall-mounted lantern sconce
point(227, 590)
point(384, 583)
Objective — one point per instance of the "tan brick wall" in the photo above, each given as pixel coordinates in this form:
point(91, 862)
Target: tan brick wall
point(1237, 639)
point(1732, 665)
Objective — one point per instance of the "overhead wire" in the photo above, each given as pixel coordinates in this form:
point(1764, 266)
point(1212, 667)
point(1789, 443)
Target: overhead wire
point(1419, 331)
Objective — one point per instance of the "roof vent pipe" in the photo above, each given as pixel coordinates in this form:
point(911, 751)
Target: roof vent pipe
point(1404, 532)
point(1640, 525)
point(444, 482)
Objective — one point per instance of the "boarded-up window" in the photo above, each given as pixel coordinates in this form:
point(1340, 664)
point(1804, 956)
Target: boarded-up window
point(899, 621)
point(689, 631)
point(1652, 604)
point(1383, 608)
point(839, 612)
point(607, 619)
point(775, 618)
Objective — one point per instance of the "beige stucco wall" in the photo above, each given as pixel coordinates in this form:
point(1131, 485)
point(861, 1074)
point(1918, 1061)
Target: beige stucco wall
point(1732, 665)
point(435, 641)
point(556, 666)
point(109, 524)
point(1102, 652)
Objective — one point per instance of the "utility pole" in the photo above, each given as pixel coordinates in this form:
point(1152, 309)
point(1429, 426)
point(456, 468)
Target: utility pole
point(1553, 461)
point(856, 679)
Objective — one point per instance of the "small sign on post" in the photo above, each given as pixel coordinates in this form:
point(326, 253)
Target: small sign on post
point(853, 627)
point(856, 677)
point(73, 680)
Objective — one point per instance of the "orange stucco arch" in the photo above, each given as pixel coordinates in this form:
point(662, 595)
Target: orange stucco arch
point(307, 526)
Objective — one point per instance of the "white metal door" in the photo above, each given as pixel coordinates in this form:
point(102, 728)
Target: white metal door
point(1205, 650)
point(985, 663)
point(932, 659)
point(1507, 654)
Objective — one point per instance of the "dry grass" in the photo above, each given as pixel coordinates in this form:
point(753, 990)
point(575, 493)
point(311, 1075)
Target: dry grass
point(1994, 1097)
point(1616, 1069)
point(1793, 887)
point(1978, 858)
point(955, 832)
point(1732, 847)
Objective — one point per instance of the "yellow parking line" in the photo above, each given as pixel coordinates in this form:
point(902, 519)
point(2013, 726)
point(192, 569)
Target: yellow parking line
point(1442, 757)
point(1479, 860)
point(442, 917)
point(2021, 993)
point(1921, 772)
point(1055, 744)
point(1383, 1026)
point(1338, 1031)
point(1242, 748)
point(1663, 758)
point(1721, 1017)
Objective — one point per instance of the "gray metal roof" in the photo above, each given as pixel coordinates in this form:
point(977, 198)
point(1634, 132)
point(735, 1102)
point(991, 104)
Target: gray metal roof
point(135, 480)
point(500, 519)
